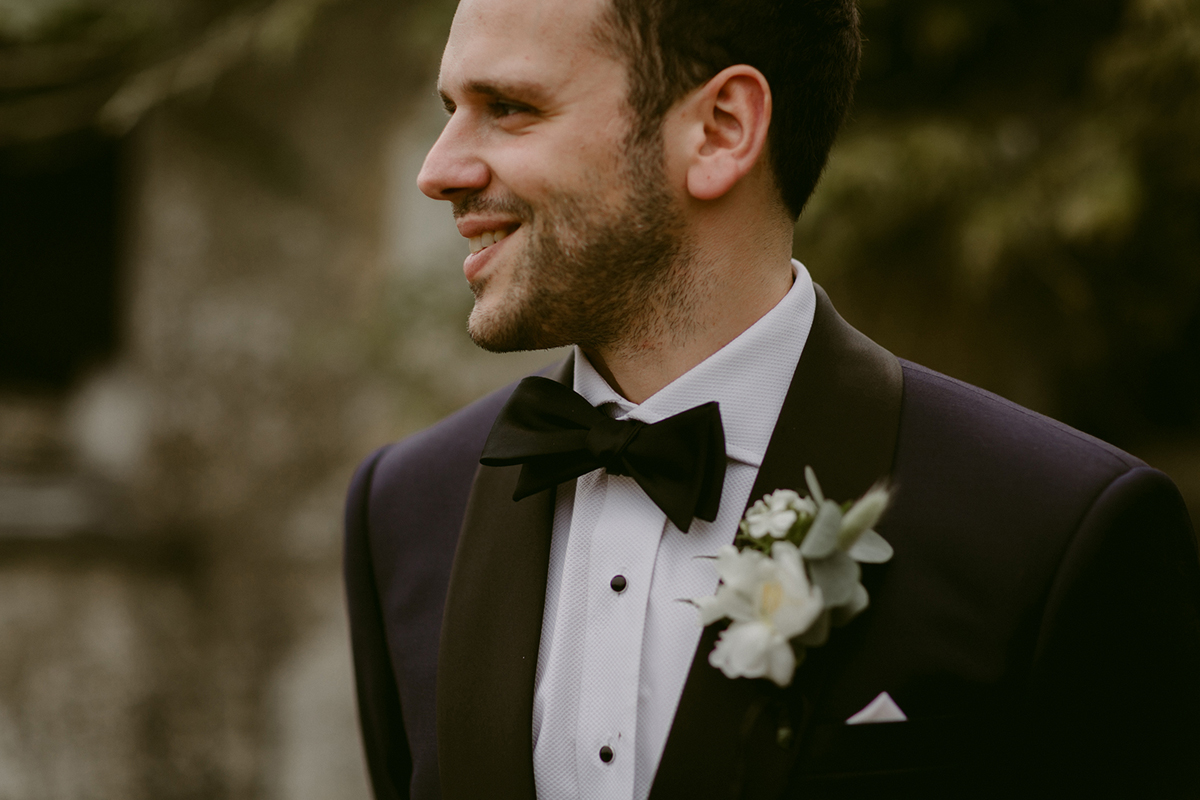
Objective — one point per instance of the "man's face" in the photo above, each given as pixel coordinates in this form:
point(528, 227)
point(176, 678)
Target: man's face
point(575, 236)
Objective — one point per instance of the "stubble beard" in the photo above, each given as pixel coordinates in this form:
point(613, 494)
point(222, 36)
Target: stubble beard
point(600, 277)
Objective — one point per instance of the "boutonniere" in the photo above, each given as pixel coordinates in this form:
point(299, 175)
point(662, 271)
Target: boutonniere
point(792, 575)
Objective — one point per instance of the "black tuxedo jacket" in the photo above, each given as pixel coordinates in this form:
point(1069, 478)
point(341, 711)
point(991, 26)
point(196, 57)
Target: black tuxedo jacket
point(1038, 623)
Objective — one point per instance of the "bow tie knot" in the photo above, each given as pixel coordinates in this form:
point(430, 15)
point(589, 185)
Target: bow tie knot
point(608, 440)
point(556, 435)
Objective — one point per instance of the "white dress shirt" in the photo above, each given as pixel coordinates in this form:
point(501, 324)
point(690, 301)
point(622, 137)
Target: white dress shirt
point(612, 664)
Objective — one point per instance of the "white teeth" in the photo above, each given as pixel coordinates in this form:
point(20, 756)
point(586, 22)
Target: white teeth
point(486, 239)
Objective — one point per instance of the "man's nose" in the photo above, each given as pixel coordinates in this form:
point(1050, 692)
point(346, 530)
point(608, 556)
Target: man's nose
point(452, 166)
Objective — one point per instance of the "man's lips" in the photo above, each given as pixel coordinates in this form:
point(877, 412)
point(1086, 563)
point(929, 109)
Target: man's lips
point(473, 225)
point(487, 239)
point(483, 245)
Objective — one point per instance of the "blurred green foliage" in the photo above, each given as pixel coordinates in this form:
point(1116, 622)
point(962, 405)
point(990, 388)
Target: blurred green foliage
point(68, 66)
point(1016, 201)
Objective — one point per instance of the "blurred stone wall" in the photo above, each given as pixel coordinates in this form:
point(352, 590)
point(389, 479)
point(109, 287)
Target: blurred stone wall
point(170, 594)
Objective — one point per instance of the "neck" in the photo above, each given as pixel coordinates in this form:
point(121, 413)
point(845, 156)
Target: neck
point(726, 293)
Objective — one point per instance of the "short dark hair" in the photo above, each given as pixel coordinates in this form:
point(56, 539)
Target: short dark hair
point(808, 50)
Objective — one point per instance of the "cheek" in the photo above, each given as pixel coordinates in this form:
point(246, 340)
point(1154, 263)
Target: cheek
point(593, 169)
point(606, 149)
point(532, 176)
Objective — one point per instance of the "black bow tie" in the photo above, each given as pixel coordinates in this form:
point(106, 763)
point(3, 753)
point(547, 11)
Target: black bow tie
point(557, 435)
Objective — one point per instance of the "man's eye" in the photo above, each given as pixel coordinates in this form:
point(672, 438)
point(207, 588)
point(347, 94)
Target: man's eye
point(503, 109)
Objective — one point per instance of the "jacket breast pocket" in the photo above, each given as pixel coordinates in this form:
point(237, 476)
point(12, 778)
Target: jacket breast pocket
point(932, 757)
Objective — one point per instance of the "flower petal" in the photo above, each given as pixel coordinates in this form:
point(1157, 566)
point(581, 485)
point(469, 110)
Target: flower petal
point(782, 522)
point(739, 606)
point(816, 635)
point(757, 525)
point(775, 522)
point(836, 577)
point(782, 499)
point(805, 507)
point(802, 602)
point(790, 566)
point(864, 514)
point(822, 537)
point(741, 650)
point(871, 548)
point(858, 603)
point(814, 488)
point(794, 618)
point(738, 569)
point(711, 608)
point(781, 663)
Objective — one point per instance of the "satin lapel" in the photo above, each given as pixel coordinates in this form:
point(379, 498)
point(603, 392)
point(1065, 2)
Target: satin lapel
point(840, 416)
point(490, 636)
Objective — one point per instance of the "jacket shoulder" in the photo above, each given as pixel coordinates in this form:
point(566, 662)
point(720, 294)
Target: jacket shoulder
point(964, 421)
point(1059, 541)
point(992, 488)
point(988, 497)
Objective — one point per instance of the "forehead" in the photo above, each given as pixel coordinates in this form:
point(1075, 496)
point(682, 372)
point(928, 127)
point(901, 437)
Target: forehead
point(535, 40)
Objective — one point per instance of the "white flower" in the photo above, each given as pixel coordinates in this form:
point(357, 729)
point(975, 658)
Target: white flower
point(852, 532)
point(776, 513)
point(770, 601)
point(770, 516)
point(788, 601)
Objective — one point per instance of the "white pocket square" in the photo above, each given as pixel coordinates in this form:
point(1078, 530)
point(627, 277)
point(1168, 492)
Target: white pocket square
point(882, 709)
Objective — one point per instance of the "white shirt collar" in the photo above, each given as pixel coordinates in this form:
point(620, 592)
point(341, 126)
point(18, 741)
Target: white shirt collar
point(749, 377)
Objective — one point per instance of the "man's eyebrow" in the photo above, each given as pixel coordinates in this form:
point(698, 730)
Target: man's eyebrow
point(522, 91)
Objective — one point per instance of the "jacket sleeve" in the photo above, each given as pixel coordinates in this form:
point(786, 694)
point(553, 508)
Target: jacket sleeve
point(1116, 675)
point(389, 762)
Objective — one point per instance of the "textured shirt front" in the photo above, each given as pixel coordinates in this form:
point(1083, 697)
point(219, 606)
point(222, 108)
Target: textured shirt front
point(617, 637)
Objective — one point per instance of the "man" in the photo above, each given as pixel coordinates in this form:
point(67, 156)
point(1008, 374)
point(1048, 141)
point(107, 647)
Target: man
point(628, 175)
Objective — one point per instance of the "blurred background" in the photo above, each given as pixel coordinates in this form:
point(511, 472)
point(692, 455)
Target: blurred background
point(220, 289)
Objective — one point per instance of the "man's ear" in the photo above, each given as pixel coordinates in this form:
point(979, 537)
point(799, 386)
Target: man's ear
point(725, 125)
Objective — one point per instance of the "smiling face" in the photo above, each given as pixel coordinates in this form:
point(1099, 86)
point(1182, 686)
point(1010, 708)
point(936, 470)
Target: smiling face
point(575, 236)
